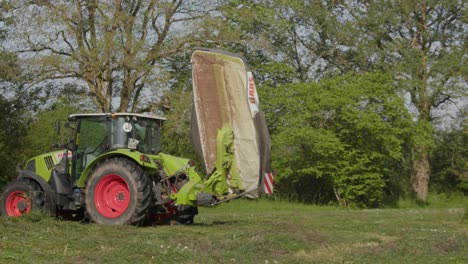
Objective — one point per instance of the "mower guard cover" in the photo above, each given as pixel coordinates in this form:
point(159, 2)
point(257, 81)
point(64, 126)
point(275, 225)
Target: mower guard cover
point(224, 94)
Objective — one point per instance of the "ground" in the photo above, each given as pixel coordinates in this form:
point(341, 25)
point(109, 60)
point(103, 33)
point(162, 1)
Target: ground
point(248, 232)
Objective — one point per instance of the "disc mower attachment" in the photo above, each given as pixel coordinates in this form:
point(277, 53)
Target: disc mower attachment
point(229, 131)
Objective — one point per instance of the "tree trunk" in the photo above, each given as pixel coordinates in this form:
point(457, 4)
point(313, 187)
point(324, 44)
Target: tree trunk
point(420, 176)
point(421, 164)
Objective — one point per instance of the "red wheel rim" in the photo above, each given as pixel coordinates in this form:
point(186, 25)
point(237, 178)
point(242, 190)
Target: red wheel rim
point(17, 204)
point(112, 196)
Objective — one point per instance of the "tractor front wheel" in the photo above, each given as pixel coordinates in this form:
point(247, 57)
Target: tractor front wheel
point(117, 193)
point(22, 196)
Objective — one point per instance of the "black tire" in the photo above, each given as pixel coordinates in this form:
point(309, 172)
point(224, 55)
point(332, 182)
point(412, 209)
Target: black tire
point(117, 193)
point(22, 196)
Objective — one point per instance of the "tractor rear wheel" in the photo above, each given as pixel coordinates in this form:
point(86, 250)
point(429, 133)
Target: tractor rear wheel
point(22, 196)
point(117, 193)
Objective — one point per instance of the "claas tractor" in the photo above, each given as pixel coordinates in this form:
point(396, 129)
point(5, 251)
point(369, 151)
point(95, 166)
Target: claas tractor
point(112, 169)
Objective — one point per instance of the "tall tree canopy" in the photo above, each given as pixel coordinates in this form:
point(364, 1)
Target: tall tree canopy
point(115, 47)
point(422, 44)
point(344, 136)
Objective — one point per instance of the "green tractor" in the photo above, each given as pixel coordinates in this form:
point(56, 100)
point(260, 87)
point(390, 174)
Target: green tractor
point(112, 171)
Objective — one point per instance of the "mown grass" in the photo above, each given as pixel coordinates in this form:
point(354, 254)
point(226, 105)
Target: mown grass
point(248, 232)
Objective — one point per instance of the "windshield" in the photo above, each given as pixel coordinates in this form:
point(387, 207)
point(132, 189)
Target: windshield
point(142, 134)
point(147, 132)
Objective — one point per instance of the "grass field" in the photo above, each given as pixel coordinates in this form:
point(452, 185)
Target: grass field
point(248, 232)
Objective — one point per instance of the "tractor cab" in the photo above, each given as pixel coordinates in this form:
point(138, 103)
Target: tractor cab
point(99, 133)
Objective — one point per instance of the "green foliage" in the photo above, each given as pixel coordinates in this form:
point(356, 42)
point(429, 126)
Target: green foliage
point(347, 131)
point(12, 121)
point(11, 135)
point(28, 121)
point(422, 138)
point(360, 181)
point(176, 130)
point(41, 132)
point(421, 44)
point(9, 68)
point(176, 106)
point(179, 72)
point(450, 161)
point(465, 216)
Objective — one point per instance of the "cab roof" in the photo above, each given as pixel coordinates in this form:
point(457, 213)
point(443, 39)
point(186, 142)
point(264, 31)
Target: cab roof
point(74, 117)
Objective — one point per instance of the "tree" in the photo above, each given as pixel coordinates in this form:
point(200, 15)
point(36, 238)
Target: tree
point(11, 134)
point(344, 134)
point(421, 43)
point(41, 133)
point(176, 105)
point(450, 162)
point(113, 46)
point(11, 121)
point(177, 108)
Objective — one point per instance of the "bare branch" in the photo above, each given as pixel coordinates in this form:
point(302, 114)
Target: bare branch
point(66, 41)
point(144, 29)
point(136, 8)
point(193, 17)
point(80, 37)
point(169, 13)
point(437, 102)
point(92, 22)
point(37, 79)
point(40, 47)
